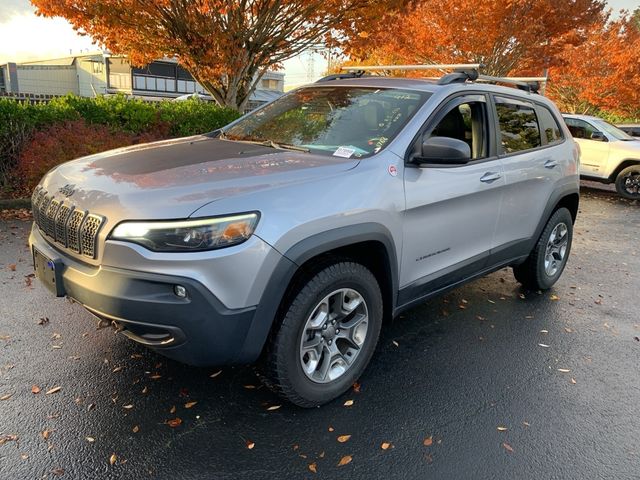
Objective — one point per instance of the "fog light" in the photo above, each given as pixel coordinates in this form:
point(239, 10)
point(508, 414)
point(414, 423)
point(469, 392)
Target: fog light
point(180, 291)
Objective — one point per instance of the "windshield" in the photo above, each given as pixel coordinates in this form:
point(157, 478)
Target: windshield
point(614, 131)
point(340, 121)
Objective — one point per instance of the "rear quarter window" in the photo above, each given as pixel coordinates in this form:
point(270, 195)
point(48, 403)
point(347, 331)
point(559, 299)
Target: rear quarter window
point(518, 123)
point(549, 126)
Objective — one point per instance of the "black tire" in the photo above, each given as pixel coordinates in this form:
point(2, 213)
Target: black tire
point(532, 273)
point(628, 182)
point(282, 365)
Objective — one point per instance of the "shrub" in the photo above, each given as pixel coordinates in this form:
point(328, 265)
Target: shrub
point(64, 141)
point(115, 116)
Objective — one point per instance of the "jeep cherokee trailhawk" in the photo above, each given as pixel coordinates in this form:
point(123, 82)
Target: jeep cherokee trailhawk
point(286, 237)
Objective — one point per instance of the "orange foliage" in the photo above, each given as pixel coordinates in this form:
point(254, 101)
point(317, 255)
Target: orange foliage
point(225, 44)
point(506, 36)
point(603, 73)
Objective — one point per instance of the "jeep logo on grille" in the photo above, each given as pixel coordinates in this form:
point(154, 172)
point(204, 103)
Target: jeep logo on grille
point(67, 190)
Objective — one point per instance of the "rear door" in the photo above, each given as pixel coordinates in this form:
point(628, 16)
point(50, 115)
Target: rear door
point(532, 148)
point(452, 210)
point(594, 154)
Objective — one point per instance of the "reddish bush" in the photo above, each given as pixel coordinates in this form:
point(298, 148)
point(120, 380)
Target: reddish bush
point(65, 141)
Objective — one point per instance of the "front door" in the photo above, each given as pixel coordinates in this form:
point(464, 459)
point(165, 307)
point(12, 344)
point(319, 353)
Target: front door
point(451, 211)
point(594, 154)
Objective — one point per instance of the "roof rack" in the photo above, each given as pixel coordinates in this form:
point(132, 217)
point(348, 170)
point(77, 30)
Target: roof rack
point(462, 72)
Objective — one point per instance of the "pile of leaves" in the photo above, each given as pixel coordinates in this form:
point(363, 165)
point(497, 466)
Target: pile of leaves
point(37, 137)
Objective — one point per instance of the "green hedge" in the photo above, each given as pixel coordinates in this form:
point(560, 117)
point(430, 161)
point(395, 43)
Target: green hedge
point(20, 120)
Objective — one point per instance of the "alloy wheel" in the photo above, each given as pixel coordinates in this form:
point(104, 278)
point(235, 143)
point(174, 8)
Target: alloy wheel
point(333, 335)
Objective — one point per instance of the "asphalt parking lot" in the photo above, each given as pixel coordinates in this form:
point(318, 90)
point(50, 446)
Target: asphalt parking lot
point(489, 381)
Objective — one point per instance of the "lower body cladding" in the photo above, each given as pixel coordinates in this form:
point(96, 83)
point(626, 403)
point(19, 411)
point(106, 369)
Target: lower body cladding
point(176, 316)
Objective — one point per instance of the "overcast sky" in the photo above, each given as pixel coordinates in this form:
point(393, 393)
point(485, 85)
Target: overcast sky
point(25, 36)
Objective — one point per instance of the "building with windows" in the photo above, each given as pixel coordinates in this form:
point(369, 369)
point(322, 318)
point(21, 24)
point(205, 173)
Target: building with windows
point(101, 73)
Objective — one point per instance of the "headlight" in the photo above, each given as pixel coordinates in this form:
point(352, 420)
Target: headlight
point(188, 235)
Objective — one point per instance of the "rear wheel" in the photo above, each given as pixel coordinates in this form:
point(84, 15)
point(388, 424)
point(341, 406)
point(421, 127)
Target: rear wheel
point(542, 269)
point(326, 336)
point(628, 182)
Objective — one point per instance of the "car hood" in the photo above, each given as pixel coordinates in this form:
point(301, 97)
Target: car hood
point(173, 178)
point(631, 147)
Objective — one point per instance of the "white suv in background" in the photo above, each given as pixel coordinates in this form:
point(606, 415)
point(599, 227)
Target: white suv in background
point(609, 155)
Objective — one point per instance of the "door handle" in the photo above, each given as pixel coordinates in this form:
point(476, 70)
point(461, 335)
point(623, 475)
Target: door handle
point(550, 164)
point(490, 177)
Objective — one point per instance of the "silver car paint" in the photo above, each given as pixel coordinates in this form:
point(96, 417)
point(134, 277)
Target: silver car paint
point(300, 195)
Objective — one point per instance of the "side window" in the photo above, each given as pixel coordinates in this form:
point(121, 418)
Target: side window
point(580, 128)
point(466, 122)
point(518, 125)
point(549, 126)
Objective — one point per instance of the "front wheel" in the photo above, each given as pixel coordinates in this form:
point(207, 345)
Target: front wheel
point(327, 335)
point(628, 182)
point(542, 269)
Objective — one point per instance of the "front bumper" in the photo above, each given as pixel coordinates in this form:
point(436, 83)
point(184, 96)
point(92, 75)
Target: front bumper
point(197, 329)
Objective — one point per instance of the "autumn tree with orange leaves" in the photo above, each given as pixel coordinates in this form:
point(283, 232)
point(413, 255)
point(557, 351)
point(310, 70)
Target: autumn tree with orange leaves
point(602, 73)
point(227, 45)
point(506, 36)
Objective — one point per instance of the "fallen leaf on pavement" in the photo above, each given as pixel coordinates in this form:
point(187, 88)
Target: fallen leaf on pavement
point(331, 428)
point(554, 297)
point(348, 403)
point(135, 429)
point(58, 471)
point(249, 387)
point(127, 407)
point(573, 380)
point(12, 267)
point(273, 407)
point(174, 422)
point(564, 370)
point(35, 389)
point(53, 390)
point(250, 444)
point(214, 375)
point(190, 404)
point(543, 345)
point(344, 438)
point(345, 460)
point(356, 387)
point(113, 459)
point(385, 446)
point(395, 344)
point(45, 434)
point(172, 410)
point(502, 429)
point(313, 467)
point(43, 320)
point(90, 439)
point(7, 396)
point(428, 441)
point(8, 438)
point(507, 447)
point(117, 369)
point(544, 331)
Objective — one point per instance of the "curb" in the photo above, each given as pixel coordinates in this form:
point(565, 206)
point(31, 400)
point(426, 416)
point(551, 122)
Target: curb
point(15, 203)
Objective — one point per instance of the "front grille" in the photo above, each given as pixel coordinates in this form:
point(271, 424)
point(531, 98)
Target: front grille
point(66, 225)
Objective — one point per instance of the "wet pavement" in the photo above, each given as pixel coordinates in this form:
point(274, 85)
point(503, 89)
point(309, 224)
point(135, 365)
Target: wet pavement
point(489, 381)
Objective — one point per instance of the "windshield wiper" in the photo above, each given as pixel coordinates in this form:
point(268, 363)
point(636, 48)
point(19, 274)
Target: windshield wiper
point(285, 146)
point(270, 143)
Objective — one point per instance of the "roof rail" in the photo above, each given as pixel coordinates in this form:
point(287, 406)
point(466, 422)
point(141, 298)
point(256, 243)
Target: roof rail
point(340, 76)
point(444, 66)
point(462, 72)
point(529, 84)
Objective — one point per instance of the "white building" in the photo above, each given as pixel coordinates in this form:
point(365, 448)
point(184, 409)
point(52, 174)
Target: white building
point(100, 73)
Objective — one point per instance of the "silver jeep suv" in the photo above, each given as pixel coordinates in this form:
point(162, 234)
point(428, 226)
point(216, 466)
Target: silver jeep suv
point(289, 235)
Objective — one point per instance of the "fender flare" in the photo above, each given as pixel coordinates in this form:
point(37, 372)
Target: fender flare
point(295, 257)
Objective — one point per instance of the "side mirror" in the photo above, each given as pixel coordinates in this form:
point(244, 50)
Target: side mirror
point(444, 150)
point(598, 137)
